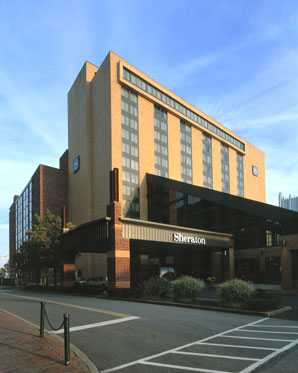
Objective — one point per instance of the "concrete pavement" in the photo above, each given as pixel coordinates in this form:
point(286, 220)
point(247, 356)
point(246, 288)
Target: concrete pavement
point(123, 332)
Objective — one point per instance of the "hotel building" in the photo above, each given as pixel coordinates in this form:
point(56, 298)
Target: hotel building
point(156, 184)
point(121, 118)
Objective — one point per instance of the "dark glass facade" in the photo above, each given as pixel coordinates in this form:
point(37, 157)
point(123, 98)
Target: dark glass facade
point(177, 203)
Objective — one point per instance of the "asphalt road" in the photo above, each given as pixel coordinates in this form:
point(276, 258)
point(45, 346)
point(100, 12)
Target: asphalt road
point(128, 335)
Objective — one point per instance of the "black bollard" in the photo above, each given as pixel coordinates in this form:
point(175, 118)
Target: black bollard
point(66, 339)
point(42, 314)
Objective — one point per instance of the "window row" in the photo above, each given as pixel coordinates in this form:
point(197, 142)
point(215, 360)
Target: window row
point(161, 141)
point(151, 90)
point(130, 153)
point(23, 215)
point(186, 152)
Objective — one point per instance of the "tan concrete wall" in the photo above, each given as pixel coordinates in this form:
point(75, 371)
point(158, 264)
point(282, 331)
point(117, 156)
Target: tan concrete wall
point(254, 187)
point(101, 139)
point(79, 141)
point(95, 134)
point(116, 142)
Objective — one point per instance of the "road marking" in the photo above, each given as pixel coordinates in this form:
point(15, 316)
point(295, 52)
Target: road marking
point(254, 366)
point(96, 325)
point(214, 355)
point(184, 367)
point(266, 331)
point(260, 339)
point(238, 346)
point(98, 310)
point(275, 326)
point(142, 360)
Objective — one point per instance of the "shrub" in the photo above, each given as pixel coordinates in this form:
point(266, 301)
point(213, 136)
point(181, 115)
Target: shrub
point(235, 292)
point(157, 287)
point(187, 287)
point(264, 300)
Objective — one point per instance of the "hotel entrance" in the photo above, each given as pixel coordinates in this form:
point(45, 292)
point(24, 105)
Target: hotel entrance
point(149, 259)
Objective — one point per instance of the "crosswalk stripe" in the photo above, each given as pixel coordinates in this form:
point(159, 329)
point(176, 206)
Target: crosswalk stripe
point(215, 355)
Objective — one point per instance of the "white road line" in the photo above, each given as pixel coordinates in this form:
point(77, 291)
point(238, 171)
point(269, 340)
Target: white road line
point(215, 355)
point(98, 310)
point(274, 326)
point(266, 331)
point(142, 360)
point(238, 346)
point(260, 339)
point(184, 368)
point(96, 325)
point(254, 366)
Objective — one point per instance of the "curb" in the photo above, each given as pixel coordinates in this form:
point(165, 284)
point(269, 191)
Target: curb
point(203, 307)
point(92, 368)
point(279, 310)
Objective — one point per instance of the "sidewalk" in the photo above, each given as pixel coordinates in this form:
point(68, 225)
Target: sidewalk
point(22, 350)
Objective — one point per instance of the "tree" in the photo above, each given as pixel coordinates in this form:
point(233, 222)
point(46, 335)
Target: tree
point(42, 249)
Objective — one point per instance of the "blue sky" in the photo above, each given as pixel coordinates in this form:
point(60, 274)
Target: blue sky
point(236, 60)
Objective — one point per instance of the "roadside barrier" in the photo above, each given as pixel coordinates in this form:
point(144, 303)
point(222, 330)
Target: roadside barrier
point(65, 324)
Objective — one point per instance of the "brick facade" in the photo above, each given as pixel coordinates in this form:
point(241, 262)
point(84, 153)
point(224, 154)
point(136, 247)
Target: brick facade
point(49, 193)
point(119, 254)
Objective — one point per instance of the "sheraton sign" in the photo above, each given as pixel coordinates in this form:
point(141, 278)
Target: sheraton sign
point(182, 238)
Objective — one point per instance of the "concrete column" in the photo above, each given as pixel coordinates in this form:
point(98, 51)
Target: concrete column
point(231, 263)
point(217, 265)
point(286, 268)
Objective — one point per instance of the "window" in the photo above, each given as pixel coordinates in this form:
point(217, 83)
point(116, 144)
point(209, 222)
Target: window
point(207, 162)
point(186, 152)
point(148, 88)
point(23, 215)
point(225, 169)
point(268, 238)
point(240, 175)
point(161, 142)
point(130, 154)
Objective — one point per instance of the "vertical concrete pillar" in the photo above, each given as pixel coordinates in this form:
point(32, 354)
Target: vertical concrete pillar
point(119, 253)
point(286, 268)
point(217, 265)
point(231, 263)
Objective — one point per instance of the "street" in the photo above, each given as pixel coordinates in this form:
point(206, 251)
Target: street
point(134, 337)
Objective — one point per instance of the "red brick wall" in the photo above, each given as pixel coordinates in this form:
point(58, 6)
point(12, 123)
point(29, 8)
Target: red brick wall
point(54, 190)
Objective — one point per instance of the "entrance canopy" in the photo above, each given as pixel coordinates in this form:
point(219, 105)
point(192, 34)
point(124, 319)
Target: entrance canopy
point(136, 229)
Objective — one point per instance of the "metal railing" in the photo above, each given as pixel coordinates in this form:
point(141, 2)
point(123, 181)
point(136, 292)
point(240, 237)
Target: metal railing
point(65, 324)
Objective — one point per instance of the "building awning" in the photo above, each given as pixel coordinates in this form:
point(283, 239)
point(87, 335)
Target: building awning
point(136, 229)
